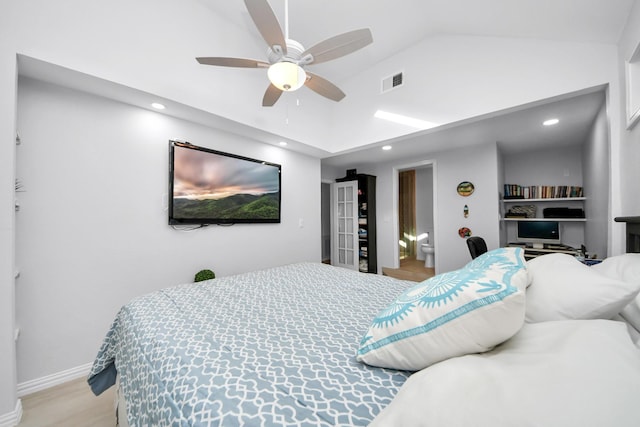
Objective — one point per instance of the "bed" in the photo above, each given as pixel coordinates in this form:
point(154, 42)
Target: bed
point(271, 347)
point(311, 344)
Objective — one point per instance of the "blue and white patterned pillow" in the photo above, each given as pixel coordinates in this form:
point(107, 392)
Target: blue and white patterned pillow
point(501, 258)
point(470, 310)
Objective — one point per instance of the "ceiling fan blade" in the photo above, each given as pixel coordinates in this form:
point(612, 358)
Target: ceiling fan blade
point(271, 96)
point(267, 24)
point(232, 62)
point(324, 87)
point(339, 45)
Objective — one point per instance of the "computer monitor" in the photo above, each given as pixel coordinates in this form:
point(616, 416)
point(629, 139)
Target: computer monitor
point(539, 232)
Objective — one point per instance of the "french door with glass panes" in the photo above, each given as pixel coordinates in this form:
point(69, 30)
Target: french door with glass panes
point(345, 225)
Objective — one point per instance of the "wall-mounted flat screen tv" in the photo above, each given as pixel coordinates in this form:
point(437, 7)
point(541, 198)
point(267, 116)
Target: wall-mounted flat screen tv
point(212, 187)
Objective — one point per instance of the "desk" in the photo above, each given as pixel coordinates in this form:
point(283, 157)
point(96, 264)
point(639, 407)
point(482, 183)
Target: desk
point(531, 252)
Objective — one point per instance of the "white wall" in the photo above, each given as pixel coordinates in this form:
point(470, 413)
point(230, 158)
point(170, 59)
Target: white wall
point(559, 166)
point(92, 230)
point(478, 165)
point(596, 160)
point(628, 173)
point(8, 77)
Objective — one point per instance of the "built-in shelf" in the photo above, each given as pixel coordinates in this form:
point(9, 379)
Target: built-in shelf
point(547, 219)
point(544, 200)
point(563, 199)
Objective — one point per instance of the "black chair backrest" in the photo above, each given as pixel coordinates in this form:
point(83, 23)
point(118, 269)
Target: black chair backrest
point(477, 246)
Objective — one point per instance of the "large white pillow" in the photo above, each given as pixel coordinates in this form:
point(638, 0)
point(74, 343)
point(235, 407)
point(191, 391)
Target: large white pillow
point(569, 373)
point(464, 311)
point(564, 288)
point(625, 267)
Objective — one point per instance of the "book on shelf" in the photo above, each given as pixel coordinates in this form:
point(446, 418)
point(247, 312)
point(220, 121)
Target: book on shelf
point(515, 191)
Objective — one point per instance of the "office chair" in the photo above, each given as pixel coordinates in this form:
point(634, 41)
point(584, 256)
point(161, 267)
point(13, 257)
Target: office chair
point(477, 246)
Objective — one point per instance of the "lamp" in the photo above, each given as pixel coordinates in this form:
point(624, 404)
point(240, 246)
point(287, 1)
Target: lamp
point(287, 76)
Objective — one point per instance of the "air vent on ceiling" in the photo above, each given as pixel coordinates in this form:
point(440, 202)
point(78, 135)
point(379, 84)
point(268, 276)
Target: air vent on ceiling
point(392, 82)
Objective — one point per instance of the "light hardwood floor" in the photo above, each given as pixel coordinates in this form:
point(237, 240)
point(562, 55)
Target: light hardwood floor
point(71, 404)
point(410, 269)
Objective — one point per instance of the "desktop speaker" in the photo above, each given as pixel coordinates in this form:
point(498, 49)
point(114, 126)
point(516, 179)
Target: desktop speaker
point(563, 213)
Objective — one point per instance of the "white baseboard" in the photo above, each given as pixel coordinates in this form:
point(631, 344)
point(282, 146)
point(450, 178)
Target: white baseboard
point(49, 381)
point(12, 419)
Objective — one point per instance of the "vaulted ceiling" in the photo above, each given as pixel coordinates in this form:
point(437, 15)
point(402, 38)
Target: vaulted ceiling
point(400, 24)
point(429, 39)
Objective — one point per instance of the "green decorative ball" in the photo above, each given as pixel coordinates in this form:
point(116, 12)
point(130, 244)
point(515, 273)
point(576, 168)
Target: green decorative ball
point(204, 275)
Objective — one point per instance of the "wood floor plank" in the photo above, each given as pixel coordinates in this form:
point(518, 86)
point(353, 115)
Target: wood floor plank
point(71, 404)
point(410, 269)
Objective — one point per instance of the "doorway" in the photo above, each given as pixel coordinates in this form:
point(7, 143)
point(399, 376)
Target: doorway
point(407, 214)
point(416, 224)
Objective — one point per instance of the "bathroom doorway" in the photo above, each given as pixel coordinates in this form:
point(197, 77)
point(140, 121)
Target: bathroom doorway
point(407, 214)
point(416, 220)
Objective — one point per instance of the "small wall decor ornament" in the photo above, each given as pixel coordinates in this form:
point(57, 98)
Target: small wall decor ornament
point(464, 232)
point(465, 188)
point(466, 211)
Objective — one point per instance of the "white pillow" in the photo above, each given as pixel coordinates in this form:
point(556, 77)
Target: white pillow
point(464, 311)
point(569, 373)
point(563, 288)
point(624, 267)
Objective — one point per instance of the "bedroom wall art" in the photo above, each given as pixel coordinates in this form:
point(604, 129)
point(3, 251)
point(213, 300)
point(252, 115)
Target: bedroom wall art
point(465, 188)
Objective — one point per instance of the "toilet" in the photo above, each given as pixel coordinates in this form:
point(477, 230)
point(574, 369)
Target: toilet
point(429, 254)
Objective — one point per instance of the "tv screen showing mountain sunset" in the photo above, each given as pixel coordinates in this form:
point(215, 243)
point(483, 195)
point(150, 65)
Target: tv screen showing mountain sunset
point(210, 187)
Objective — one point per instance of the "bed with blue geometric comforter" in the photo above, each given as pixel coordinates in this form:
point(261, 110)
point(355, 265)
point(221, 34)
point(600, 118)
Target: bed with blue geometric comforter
point(270, 347)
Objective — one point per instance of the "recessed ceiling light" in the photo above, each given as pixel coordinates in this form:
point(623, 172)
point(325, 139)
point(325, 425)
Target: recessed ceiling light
point(386, 147)
point(158, 106)
point(283, 143)
point(405, 120)
point(551, 122)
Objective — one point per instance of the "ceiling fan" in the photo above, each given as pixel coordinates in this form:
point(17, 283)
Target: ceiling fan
point(287, 58)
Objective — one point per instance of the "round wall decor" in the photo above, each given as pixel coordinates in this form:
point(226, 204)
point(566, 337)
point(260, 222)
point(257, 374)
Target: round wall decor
point(464, 232)
point(465, 188)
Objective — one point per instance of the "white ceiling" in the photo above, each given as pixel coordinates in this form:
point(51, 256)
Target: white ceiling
point(515, 131)
point(397, 26)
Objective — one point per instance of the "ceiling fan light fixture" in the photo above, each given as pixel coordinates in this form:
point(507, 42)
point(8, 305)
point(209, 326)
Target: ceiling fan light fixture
point(286, 76)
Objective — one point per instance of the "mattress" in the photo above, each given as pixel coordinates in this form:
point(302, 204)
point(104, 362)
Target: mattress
point(271, 347)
